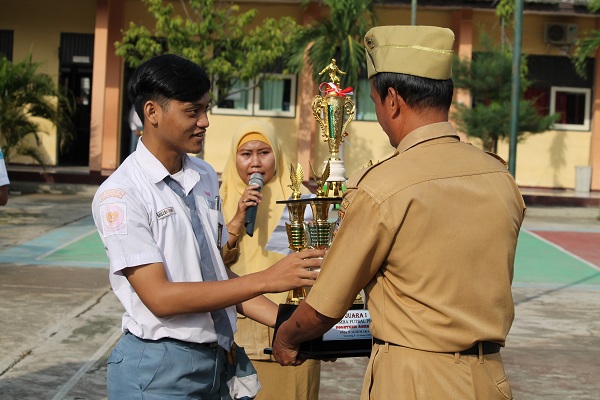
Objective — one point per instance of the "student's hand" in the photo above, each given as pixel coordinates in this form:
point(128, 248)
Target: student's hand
point(294, 271)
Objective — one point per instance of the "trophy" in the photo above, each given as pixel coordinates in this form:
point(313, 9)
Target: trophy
point(333, 111)
point(351, 336)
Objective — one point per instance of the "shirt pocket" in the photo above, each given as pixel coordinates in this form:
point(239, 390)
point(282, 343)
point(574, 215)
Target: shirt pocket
point(216, 223)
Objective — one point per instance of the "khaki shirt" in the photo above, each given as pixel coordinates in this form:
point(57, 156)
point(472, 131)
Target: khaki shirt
point(431, 234)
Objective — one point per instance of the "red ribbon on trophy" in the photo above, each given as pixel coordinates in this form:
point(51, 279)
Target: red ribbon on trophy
point(331, 88)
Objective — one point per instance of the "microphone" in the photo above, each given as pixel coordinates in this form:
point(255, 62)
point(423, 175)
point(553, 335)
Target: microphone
point(255, 179)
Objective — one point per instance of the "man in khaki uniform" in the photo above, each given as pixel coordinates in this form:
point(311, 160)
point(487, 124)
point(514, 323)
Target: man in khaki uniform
point(429, 233)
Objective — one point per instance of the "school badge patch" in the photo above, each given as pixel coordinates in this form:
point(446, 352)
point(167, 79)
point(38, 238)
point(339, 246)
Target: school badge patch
point(118, 193)
point(114, 218)
point(341, 215)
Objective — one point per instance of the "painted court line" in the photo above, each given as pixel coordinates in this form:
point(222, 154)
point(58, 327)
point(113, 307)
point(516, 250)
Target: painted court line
point(542, 261)
point(76, 239)
point(47, 248)
point(589, 264)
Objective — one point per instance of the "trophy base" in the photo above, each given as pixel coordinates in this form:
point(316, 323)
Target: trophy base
point(330, 345)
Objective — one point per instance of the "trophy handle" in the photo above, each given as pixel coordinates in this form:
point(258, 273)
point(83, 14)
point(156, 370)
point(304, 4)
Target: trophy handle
point(319, 104)
point(349, 107)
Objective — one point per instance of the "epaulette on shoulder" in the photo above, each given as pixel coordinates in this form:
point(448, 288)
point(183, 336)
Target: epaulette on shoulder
point(356, 177)
point(497, 157)
point(360, 174)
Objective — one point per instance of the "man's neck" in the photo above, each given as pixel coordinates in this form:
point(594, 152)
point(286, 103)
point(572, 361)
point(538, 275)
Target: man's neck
point(171, 160)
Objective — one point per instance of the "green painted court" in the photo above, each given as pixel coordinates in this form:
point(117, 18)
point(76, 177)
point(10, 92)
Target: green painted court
point(553, 260)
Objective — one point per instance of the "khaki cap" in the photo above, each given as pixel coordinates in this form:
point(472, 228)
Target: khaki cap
point(424, 51)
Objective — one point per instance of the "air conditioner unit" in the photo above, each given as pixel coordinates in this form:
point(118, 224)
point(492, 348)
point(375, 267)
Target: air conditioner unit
point(560, 34)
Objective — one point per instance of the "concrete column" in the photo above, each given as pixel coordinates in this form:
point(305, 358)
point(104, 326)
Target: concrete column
point(462, 21)
point(307, 125)
point(595, 140)
point(106, 88)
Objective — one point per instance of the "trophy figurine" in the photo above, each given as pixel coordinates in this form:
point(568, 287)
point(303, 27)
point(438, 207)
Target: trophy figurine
point(334, 111)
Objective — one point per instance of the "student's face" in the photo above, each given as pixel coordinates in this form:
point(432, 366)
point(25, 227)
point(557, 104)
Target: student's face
point(184, 124)
point(255, 156)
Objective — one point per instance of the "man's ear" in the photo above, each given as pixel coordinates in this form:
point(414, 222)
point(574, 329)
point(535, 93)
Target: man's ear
point(394, 102)
point(151, 110)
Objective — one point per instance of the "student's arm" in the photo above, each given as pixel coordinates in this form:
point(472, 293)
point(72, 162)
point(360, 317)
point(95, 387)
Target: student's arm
point(165, 298)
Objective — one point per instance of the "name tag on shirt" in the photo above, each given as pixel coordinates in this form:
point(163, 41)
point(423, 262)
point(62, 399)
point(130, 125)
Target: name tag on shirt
point(165, 212)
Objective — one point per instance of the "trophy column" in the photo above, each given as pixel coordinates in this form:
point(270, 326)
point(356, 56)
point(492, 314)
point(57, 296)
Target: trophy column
point(297, 239)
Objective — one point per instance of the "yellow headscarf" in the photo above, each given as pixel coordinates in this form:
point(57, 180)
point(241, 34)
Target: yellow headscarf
point(253, 257)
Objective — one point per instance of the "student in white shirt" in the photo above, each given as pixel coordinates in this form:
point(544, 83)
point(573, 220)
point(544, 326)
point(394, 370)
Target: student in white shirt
point(169, 349)
point(4, 182)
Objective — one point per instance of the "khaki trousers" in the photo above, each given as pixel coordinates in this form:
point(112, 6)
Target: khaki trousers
point(288, 383)
point(400, 373)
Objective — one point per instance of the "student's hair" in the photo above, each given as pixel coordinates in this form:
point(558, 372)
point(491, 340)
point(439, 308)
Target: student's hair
point(166, 77)
point(416, 91)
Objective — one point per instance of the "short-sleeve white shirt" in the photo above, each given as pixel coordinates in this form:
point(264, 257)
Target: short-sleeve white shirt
point(141, 220)
point(3, 174)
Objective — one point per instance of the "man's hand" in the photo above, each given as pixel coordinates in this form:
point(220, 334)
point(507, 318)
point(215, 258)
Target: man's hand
point(305, 324)
point(294, 271)
point(285, 354)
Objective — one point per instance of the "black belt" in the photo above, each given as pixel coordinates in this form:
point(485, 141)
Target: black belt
point(487, 347)
point(176, 341)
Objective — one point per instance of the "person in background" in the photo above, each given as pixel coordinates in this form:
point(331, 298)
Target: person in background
point(4, 181)
point(135, 126)
point(430, 233)
point(158, 219)
point(256, 149)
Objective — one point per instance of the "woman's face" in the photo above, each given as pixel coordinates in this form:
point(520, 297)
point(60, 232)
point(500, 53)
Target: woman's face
point(255, 156)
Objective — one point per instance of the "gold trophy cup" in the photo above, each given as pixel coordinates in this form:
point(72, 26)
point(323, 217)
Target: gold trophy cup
point(333, 111)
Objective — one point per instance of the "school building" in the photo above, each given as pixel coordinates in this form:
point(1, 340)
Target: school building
point(74, 41)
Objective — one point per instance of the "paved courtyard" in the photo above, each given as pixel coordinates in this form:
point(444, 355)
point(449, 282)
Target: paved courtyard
point(60, 318)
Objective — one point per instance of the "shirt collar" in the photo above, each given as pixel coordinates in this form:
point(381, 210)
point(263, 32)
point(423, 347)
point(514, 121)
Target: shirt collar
point(157, 172)
point(427, 132)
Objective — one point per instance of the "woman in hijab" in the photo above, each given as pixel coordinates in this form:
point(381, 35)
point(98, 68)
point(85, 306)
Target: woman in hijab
point(256, 149)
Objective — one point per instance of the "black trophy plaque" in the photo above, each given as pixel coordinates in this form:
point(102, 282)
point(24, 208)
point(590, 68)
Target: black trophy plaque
point(333, 344)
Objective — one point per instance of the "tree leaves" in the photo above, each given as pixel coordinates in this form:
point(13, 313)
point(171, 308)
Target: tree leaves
point(229, 44)
point(27, 93)
point(340, 36)
point(488, 77)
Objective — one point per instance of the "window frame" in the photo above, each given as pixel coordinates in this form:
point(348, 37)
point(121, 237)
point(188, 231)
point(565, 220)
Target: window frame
point(587, 113)
point(253, 106)
point(276, 113)
point(359, 115)
point(232, 111)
